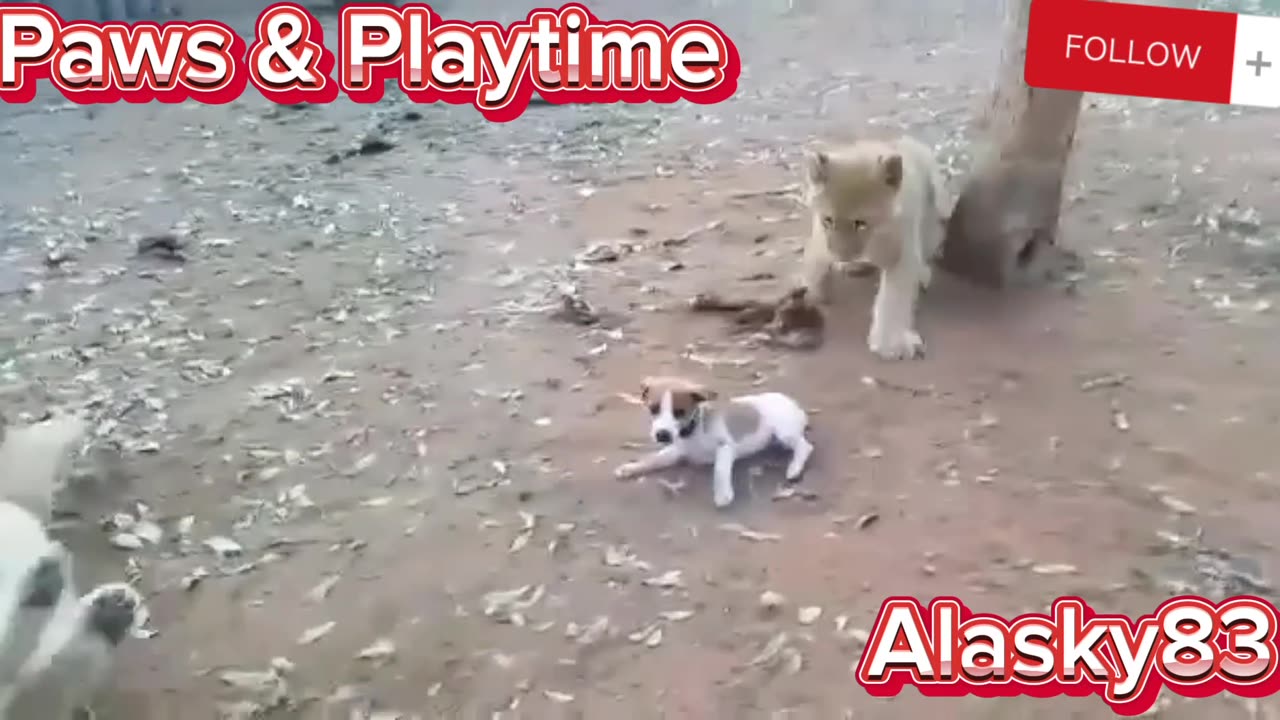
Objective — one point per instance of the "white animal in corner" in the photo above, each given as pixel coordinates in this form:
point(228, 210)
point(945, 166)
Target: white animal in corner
point(56, 648)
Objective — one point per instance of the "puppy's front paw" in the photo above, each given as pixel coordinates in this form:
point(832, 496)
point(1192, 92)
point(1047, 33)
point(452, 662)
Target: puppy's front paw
point(627, 470)
point(896, 344)
point(113, 610)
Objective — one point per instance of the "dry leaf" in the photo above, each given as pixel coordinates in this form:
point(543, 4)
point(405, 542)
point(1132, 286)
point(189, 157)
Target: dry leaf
point(223, 547)
point(748, 534)
point(382, 649)
point(311, 635)
point(770, 600)
point(770, 653)
point(126, 541)
point(809, 615)
point(1054, 569)
point(321, 591)
point(1177, 505)
point(363, 464)
point(669, 579)
point(650, 635)
point(592, 633)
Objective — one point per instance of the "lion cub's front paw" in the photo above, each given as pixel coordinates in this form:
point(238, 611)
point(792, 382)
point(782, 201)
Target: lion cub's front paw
point(896, 344)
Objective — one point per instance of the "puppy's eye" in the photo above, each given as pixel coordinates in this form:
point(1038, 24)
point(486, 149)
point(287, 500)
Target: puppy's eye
point(859, 225)
point(654, 409)
point(679, 413)
point(828, 222)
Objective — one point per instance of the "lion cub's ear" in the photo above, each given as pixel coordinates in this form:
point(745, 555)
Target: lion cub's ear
point(817, 166)
point(892, 168)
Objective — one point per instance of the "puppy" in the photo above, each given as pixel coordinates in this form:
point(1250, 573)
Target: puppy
point(693, 426)
point(55, 648)
point(34, 573)
point(73, 660)
point(884, 205)
point(35, 461)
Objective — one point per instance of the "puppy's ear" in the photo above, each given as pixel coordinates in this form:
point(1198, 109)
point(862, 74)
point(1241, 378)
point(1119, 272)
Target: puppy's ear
point(892, 168)
point(646, 385)
point(817, 166)
point(701, 395)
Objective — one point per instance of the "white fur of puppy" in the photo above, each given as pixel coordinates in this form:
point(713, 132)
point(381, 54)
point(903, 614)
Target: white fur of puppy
point(33, 579)
point(55, 648)
point(882, 204)
point(35, 461)
point(73, 660)
point(693, 426)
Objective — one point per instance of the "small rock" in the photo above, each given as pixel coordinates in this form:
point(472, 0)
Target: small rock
point(771, 601)
point(223, 547)
point(126, 541)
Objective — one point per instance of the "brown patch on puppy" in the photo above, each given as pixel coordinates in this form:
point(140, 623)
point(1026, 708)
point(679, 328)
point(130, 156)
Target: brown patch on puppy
point(685, 394)
point(740, 418)
point(893, 170)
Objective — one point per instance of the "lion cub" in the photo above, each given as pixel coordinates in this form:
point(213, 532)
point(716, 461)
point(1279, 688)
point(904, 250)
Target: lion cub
point(881, 204)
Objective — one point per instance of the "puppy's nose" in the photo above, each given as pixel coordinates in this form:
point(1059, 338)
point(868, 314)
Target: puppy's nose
point(663, 436)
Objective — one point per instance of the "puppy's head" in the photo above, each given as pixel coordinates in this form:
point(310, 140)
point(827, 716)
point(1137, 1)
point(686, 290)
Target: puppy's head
point(851, 191)
point(673, 403)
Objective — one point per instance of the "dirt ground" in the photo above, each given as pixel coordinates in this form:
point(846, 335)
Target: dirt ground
point(356, 375)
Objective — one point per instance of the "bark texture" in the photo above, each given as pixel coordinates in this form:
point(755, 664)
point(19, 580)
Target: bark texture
point(1003, 229)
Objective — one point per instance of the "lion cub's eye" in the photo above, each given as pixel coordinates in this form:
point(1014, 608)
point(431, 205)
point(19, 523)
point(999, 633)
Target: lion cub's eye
point(859, 225)
point(828, 222)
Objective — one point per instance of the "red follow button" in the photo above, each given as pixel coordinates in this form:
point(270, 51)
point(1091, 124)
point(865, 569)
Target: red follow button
point(1157, 52)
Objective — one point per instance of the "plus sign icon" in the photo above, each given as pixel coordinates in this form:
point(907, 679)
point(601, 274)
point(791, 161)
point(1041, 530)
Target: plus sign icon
point(1159, 52)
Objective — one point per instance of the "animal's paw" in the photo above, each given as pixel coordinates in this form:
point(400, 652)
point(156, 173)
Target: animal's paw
point(114, 609)
point(45, 585)
point(723, 497)
point(627, 470)
point(926, 277)
point(896, 344)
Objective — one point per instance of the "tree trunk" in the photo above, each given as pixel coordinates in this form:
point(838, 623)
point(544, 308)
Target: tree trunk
point(1003, 229)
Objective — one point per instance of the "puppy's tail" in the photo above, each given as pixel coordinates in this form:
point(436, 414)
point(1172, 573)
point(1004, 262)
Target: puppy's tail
point(34, 461)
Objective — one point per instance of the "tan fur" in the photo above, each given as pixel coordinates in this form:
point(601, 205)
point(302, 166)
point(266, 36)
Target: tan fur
point(881, 203)
point(685, 394)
